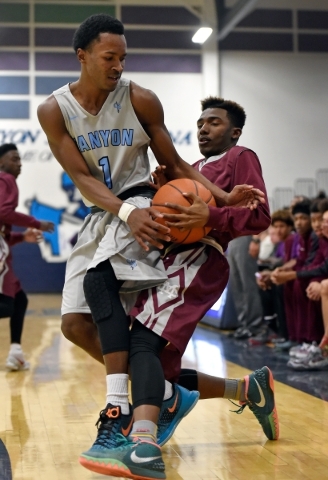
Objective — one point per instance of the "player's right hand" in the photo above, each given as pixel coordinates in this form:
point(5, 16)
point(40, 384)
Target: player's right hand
point(47, 226)
point(144, 228)
point(159, 177)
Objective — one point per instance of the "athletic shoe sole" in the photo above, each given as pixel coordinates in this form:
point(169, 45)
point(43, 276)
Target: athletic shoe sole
point(15, 367)
point(115, 469)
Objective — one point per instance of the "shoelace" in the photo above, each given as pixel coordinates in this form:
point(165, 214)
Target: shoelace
point(248, 404)
point(107, 431)
point(241, 408)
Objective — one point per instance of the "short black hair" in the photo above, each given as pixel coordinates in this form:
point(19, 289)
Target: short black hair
point(323, 205)
point(7, 147)
point(236, 113)
point(90, 29)
point(314, 208)
point(303, 206)
point(282, 216)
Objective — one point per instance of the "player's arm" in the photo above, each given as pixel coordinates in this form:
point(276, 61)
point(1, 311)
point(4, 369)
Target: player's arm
point(8, 204)
point(241, 221)
point(140, 221)
point(236, 221)
point(150, 113)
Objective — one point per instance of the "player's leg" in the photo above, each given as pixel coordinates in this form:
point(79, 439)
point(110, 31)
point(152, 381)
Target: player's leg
point(101, 289)
point(164, 408)
point(148, 387)
point(80, 329)
point(255, 391)
point(6, 306)
point(77, 323)
point(17, 308)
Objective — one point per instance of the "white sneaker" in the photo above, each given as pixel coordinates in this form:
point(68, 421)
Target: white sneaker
point(16, 360)
point(314, 361)
point(301, 351)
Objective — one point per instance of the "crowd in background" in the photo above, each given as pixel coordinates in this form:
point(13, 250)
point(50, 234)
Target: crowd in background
point(279, 284)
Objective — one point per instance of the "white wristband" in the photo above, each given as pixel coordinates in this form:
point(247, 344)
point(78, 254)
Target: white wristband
point(125, 210)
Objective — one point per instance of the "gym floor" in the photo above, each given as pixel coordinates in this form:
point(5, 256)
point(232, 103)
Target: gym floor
point(48, 413)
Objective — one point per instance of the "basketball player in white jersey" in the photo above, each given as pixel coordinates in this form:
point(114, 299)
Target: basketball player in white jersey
point(99, 129)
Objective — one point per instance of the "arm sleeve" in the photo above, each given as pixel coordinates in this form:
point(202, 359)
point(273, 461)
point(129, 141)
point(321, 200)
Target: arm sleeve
point(320, 271)
point(243, 221)
point(7, 207)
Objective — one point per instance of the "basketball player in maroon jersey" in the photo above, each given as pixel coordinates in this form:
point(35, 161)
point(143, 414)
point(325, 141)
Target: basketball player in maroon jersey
point(13, 300)
point(225, 164)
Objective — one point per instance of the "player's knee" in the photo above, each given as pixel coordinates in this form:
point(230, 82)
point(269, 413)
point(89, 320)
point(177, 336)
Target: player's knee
point(98, 295)
point(69, 326)
point(324, 288)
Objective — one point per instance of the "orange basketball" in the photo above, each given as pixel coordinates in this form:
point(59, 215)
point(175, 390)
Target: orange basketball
point(172, 192)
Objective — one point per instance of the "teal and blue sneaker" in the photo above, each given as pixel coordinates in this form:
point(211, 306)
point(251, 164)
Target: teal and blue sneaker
point(259, 393)
point(134, 458)
point(173, 411)
point(110, 423)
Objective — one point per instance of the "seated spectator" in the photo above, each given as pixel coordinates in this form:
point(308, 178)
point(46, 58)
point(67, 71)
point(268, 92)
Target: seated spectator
point(300, 251)
point(309, 356)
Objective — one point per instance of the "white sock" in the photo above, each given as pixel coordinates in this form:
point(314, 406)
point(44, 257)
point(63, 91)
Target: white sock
point(144, 429)
point(168, 390)
point(16, 347)
point(117, 391)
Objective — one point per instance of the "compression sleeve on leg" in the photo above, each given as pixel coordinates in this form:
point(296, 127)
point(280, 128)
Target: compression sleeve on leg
point(188, 379)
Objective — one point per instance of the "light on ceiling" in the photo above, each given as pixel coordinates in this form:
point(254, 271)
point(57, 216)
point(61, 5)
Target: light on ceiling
point(202, 34)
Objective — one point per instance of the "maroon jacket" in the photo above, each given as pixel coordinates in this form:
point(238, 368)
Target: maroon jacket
point(239, 165)
point(8, 205)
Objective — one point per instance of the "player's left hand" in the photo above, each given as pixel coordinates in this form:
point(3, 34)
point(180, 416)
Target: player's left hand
point(245, 196)
point(196, 215)
point(33, 235)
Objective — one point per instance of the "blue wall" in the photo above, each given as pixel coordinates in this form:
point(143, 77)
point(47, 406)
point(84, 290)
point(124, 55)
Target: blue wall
point(35, 274)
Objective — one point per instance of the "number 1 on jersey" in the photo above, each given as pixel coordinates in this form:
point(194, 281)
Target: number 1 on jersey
point(105, 165)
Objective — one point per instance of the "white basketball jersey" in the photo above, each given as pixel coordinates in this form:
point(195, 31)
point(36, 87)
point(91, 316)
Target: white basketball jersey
point(113, 142)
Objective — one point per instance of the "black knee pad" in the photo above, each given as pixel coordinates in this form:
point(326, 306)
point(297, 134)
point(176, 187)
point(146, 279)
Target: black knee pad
point(101, 289)
point(97, 295)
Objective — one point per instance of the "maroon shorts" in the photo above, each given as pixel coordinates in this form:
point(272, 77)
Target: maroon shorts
point(196, 280)
point(9, 283)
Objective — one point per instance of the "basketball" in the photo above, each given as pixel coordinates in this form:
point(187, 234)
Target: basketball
point(172, 192)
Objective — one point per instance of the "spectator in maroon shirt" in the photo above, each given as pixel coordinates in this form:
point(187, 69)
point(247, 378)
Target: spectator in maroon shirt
point(13, 300)
point(310, 315)
point(299, 327)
